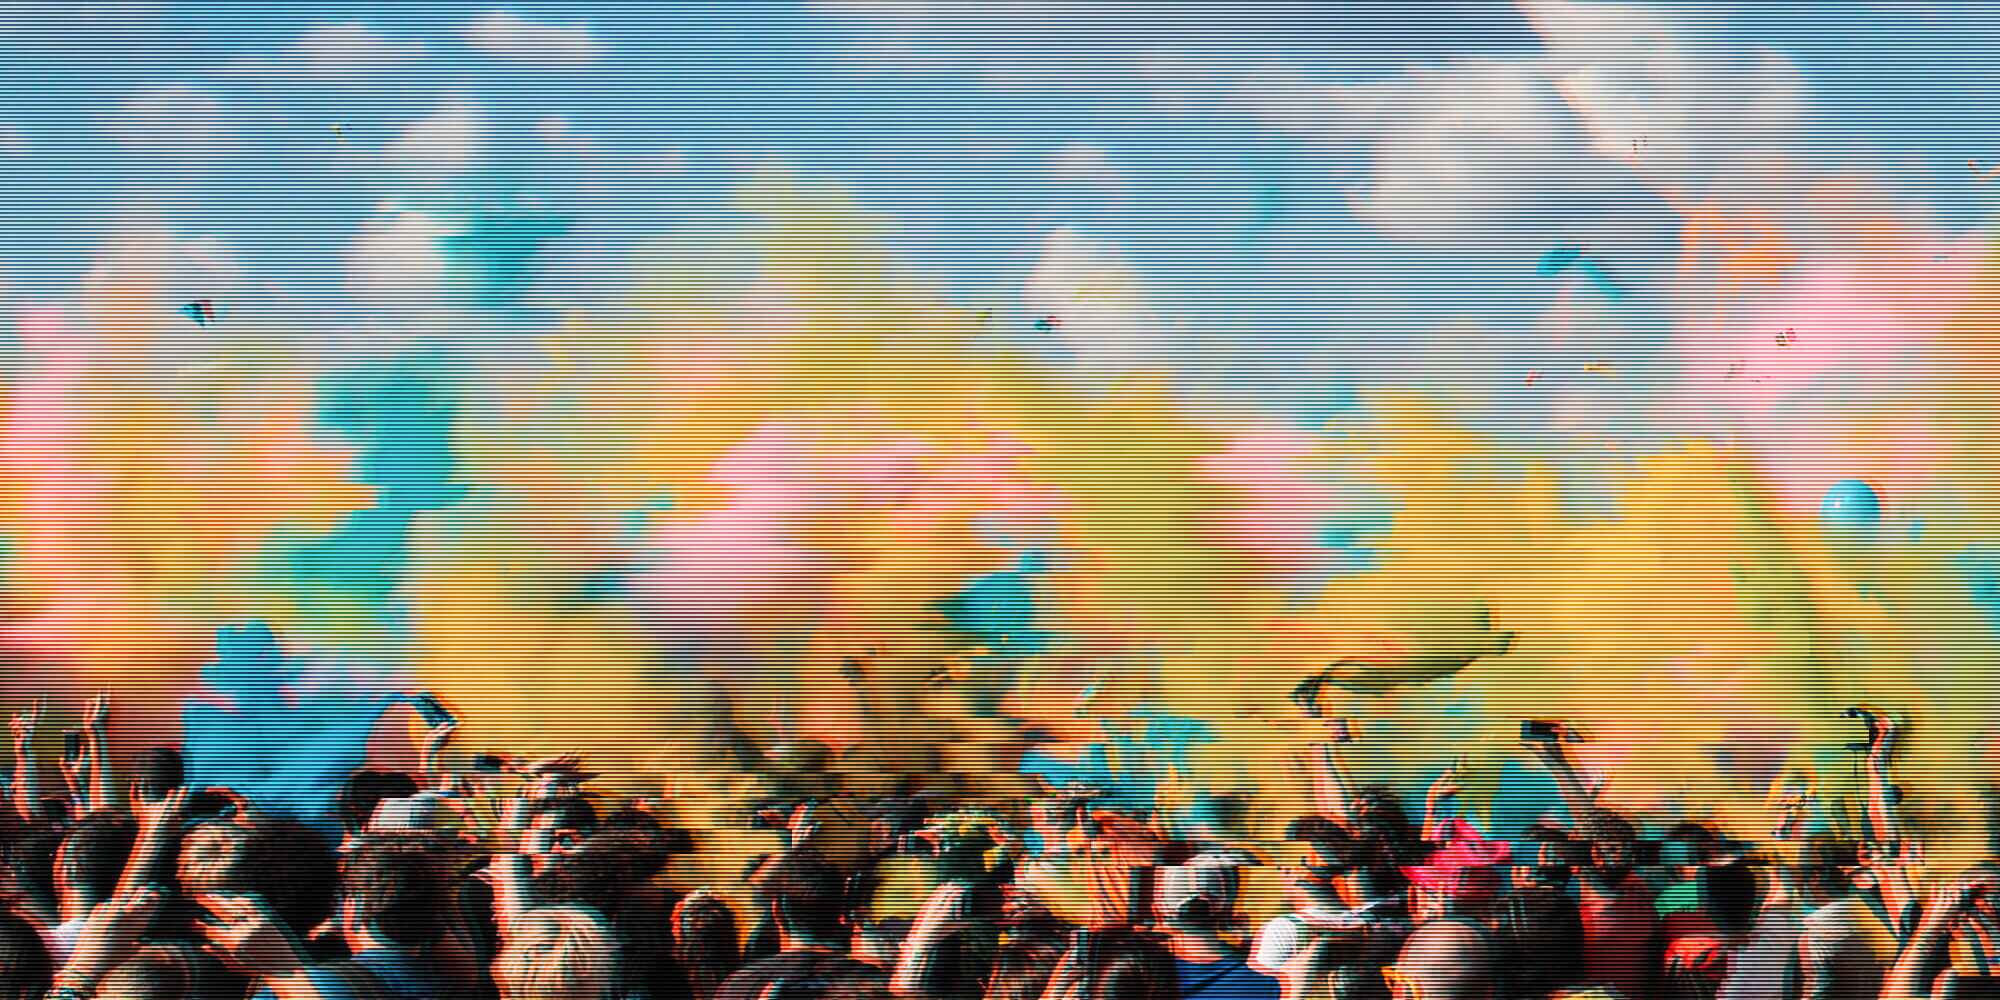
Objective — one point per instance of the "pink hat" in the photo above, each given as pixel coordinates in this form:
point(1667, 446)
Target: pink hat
point(1465, 868)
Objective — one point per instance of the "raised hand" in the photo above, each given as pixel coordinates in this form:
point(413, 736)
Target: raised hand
point(1887, 730)
point(248, 935)
point(98, 711)
point(111, 934)
point(158, 817)
point(437, 737)
point(26, 724)
point(1444, 789)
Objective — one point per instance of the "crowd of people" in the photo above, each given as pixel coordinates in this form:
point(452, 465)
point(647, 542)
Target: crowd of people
point(491, 876)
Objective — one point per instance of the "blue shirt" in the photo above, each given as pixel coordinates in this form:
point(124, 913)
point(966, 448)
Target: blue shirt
point(1228, 979)
point(401, 977)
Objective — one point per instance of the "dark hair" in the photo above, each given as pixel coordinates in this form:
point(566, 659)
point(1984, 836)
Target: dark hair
point(32, 855)
point(706, 943)
point(294, 868)
point(1543, 831)
point(1133, 966)
point(571, 812)
point(1541, 938)
point(1822, 864)
point(364, 790)
point(1316, 829)
point(1606, 826)
point(1021, 969)
point(1732, 897)
point(159, 771)
point(400, 885)
point(1382, 825)
point(94, 852)
point(808, 892)
point(25, 965)
point(641, 841)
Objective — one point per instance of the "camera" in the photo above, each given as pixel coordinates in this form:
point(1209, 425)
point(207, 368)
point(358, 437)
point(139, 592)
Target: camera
point(73, 745)
point(1536, 731)
point(676, 840)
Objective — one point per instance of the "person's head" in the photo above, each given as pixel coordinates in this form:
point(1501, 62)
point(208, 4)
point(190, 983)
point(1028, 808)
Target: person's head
point(1127, 966)
point(1461, 878)
point(1021, 969)
point(394, 892)
point(807, 896)
point(90, 859)
point(31, 853)
point(706, 941)
point(1382, 828)
point(1613, 844)
point(286, 862)
point(1543, 857)
point(25, 965)
point(557, 953)
point(364, 790)
point(1326, 853)
point(1685, 850)
point(567, 818)
point(1446, 960)
point(1823, 870)
point(157, 772)
point(1197, 898)
point(169, 971)
point(1732, 897)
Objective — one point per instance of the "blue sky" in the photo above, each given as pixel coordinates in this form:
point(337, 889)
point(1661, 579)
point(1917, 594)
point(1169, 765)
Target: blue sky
point(1365, 172)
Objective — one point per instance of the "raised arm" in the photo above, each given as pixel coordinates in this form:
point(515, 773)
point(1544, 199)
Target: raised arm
point(1581, 800)
point(1892, 870)
point(1883, 815)
point(103, 792)
point(1437, 811)
point(429, 754)
point(942, 915)
point(27, 779)
point(159, 828)
point(1333, 788)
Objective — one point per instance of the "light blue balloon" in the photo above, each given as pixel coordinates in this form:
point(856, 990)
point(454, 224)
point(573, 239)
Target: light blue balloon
point(1851, 504)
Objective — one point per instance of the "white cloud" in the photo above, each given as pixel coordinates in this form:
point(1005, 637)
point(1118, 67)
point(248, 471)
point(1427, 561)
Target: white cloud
point(13, 141)
point(442, 144)
point(396, 266)
point(1658, 95)
point(175, 122)
point(505, 36)
point(142, 256)
point(554, 132)
point(336, 50)
point(667, 161)
point(1078, 165)
point(1092, 300)
point(1466, 149)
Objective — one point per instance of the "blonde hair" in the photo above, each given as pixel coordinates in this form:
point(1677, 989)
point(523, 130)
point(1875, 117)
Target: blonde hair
point(557, 953)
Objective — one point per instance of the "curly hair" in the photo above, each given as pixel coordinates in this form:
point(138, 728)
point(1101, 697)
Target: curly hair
point(401, 885)
point(706, 943)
